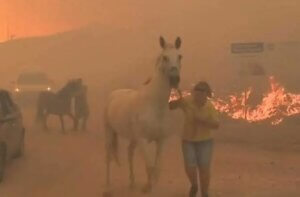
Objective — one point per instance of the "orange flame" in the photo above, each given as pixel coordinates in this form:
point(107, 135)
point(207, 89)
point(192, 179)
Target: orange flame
point(275, 106)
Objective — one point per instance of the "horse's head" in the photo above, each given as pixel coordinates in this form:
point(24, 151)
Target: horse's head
point(169, 62)
point(72, 88)
point(75, 86)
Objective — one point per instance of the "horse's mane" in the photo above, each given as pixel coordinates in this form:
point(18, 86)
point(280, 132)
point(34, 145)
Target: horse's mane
point(64, 90)
point(72, 84)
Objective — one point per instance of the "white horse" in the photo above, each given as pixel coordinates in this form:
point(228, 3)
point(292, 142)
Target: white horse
point(138, 115)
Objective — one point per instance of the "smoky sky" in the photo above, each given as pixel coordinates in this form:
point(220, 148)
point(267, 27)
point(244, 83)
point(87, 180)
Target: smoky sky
point(230, 19)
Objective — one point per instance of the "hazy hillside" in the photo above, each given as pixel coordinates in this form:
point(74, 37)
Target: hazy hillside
point(103, 54)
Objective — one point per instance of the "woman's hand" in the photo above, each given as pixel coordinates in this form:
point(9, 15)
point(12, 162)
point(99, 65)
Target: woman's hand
point(179, 93)
point(177, 103)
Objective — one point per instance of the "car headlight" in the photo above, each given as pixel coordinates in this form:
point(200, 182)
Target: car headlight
point(49, 89)
point(17, 90)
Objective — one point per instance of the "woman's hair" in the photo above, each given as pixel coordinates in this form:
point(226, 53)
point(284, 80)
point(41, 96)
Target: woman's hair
point(203, 86)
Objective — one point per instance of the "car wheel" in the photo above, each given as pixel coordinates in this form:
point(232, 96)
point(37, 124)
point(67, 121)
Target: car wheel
point(20, 151)
point(2, 160)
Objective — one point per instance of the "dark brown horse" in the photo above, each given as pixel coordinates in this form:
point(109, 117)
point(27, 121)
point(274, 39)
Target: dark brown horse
point(57, 103)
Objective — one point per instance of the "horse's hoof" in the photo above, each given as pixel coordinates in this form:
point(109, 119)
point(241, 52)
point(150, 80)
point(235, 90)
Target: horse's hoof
point(156, 176)
point(132, 186)
point(107, 194)
point(147, 189)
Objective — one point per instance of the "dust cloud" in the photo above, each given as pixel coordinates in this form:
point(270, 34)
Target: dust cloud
point(114, 44)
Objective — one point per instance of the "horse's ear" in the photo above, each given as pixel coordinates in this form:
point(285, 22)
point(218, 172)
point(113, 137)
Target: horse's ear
point(162, 42)
point(178, 43)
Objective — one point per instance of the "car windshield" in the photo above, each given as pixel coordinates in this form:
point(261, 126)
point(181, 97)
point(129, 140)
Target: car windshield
point(33, 78)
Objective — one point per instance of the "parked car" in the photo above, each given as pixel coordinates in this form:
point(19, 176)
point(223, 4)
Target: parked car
point(12, 131)
point(29, 84)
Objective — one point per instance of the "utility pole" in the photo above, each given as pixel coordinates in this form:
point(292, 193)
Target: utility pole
point(7, 30)
point(9, 36)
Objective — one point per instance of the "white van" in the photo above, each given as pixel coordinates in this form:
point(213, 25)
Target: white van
point(29, 84)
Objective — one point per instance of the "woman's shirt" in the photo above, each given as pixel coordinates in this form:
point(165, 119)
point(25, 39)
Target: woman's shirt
point(193, 131)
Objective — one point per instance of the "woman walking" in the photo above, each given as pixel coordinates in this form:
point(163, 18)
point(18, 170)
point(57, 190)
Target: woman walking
point(197, 141)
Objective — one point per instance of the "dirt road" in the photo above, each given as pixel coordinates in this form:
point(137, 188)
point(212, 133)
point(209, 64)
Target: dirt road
point(249, 161)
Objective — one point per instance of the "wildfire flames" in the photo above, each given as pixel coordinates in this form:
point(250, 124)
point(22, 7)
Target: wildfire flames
point(276, 104)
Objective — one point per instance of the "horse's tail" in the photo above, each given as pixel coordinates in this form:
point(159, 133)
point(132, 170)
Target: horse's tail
point(40, 108)
point(111, 139)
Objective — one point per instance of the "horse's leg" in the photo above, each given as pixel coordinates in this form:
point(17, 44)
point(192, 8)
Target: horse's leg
point(62, 123)
point(110, 143)
point(131, 149)
point(144, 146)
point(84, 120)
point(157, 164)
point(75, 121)
point(108, 192)
point(45, 118)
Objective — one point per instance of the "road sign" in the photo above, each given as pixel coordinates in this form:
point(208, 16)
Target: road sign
point(250, 47)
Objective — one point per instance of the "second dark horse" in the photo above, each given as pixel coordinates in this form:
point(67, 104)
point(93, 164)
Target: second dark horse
point(57, 103)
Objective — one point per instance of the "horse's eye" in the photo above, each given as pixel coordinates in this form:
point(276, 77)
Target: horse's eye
point(165, 58)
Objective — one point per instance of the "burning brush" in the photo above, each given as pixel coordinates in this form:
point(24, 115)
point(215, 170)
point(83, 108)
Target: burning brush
point(276, 104)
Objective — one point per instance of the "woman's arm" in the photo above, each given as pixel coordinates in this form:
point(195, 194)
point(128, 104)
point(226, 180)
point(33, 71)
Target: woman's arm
point(176, 103)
